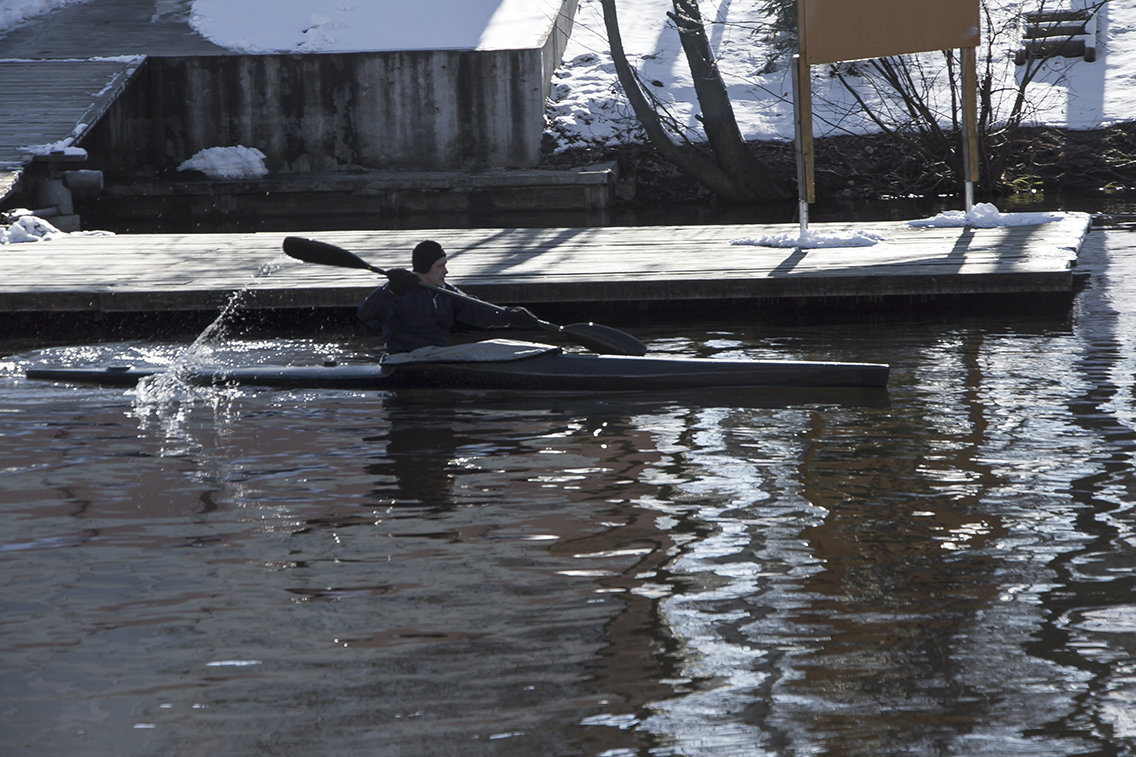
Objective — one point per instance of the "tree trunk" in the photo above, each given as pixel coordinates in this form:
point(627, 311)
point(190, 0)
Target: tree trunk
point(706, 171)
point(722, 132)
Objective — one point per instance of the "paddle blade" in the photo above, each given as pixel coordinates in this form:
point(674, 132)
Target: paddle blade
point(311, 251)
point(603, 339)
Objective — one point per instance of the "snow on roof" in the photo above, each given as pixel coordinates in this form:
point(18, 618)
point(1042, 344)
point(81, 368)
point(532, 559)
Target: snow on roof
point(306, 26)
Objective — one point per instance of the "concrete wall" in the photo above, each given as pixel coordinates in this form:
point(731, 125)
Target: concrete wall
point(418, 110)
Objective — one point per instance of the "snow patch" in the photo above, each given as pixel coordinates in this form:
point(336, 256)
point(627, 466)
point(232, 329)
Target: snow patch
point(66, 146)
point(814, 239)
point(26, 227)
point(63, 146)
point(984, 215)
point(237, 162)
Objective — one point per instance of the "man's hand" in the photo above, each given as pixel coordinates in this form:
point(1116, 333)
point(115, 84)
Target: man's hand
point(520, 318)
point(402, 280)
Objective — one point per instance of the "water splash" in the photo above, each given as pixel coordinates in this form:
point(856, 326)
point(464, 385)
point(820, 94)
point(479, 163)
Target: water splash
point(165, 400)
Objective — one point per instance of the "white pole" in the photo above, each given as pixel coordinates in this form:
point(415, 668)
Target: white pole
point(970, 123)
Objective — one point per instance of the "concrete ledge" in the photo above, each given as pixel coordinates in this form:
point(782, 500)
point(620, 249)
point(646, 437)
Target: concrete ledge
point(455, 110)
point(345, 194)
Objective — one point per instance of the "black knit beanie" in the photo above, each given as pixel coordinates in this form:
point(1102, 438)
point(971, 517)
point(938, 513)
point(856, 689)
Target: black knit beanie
point(425, 255)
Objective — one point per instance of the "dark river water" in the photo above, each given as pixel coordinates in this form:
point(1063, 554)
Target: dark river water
point(950, 571)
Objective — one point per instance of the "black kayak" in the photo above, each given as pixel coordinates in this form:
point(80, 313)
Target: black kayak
point(552, 369)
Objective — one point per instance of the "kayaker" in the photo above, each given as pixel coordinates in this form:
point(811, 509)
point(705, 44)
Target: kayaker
point(411, 316)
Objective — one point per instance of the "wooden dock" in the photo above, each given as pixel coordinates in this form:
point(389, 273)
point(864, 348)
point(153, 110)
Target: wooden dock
point(613, 266)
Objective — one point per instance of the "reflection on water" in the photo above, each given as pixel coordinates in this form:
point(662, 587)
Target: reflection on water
point(943, 570)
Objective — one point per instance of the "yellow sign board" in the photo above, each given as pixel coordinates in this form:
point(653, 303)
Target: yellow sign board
point(836, 30)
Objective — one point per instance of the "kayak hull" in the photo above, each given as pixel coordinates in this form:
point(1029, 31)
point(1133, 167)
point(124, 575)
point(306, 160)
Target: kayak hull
point(549, 371)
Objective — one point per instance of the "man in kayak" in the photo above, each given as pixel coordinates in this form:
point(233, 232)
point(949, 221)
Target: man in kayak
point(412, 316)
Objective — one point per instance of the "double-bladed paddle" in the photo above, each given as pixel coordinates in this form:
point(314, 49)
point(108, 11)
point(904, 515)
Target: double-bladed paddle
point(602, 339)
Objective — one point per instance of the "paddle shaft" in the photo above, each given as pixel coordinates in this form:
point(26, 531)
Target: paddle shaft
point(462, 296)
point(603, 339)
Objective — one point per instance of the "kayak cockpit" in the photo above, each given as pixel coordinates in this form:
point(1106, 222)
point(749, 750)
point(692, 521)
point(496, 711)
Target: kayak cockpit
point(485, 351)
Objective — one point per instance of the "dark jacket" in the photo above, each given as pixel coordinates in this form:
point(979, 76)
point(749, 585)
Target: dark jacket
point(422, 317)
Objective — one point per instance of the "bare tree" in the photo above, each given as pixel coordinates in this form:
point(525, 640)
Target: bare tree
point(729, 169)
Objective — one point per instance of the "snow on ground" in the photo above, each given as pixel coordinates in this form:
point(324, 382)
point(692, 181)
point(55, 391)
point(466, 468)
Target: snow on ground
point(588, 107)
point(14, 12)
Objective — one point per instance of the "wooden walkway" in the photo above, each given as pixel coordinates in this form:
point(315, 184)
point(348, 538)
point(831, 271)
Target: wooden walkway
point(51, 101)
point(157, 273)
point(60, 71)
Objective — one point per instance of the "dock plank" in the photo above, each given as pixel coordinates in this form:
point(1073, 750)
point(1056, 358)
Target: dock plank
point(153, 272)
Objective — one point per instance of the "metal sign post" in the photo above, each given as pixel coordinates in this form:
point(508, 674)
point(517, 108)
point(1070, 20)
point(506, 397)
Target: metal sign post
point(970, 122)
point(803, 136)
point(830, 31)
